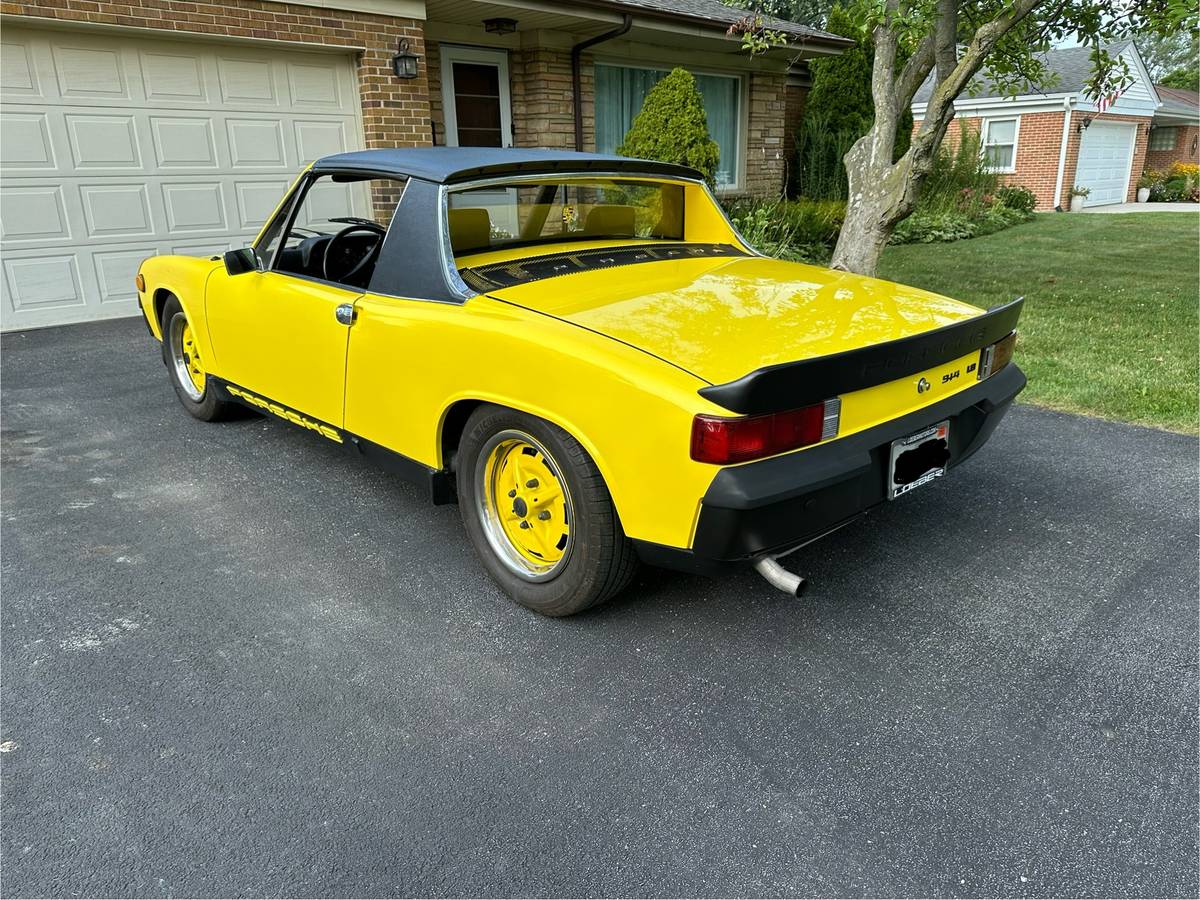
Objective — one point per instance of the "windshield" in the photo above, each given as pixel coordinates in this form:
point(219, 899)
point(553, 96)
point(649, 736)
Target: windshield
point(554, 211)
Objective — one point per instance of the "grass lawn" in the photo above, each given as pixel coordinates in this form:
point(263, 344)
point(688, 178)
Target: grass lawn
point(1110, 322)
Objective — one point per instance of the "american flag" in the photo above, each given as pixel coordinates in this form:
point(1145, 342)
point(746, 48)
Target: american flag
point(1107, 100)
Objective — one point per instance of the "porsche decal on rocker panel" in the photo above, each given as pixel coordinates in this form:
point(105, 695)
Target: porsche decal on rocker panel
point(288, 415)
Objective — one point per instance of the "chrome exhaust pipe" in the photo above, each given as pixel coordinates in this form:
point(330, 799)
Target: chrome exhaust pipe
point(779, 577)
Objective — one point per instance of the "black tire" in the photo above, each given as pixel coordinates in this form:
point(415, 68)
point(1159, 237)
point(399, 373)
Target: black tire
point(208, 407)
point(601, 560)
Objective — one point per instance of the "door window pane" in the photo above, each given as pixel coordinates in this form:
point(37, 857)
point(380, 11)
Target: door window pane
point(477, 104)
point(621, 90)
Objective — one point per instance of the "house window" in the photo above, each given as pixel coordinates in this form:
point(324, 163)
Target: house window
point(1162, 138)
point(1000, 144)
point(620, 91)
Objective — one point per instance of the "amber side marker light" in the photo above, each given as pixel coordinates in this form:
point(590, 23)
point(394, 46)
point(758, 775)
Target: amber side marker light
point(722, 441)
point(995, 357)
point(139, 282)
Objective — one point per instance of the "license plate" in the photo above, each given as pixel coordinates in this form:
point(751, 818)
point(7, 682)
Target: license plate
point(918, 459)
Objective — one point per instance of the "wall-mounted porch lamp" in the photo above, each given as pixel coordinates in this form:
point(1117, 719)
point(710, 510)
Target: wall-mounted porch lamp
point(404, 64)
point(1083, 125)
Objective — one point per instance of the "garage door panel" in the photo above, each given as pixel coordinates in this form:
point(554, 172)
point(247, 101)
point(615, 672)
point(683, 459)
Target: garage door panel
point(18, 77)
point(25, 143)
point(104, 141)
point(115, 270)
point(247, 81)
point(256, 200)
point(40, 282)
point(89, 72)
point(315, 139)
point(115, 147)
point(116, 210)
point(33, 213)
point(314, 86)
point(256, 143)
point(183, 142)
point(174, 78)
point(195, 206)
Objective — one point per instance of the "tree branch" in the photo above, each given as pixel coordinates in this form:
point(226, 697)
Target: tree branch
point(915, 71)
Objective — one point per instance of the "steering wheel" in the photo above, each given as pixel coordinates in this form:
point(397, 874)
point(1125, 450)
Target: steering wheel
point(341, 262)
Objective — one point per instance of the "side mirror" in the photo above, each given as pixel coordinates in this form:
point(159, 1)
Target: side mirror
point(240, 261)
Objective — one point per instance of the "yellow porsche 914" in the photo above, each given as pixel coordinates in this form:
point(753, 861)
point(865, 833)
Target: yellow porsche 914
point(585, 355)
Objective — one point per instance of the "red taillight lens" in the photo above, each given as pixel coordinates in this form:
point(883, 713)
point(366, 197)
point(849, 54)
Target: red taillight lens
point(722, 441)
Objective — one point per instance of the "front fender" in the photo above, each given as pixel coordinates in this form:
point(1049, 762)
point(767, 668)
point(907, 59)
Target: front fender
point(185, 277)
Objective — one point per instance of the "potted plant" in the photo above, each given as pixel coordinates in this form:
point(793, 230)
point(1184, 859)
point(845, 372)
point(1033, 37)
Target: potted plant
point(1148, 180)
point(1077, 195)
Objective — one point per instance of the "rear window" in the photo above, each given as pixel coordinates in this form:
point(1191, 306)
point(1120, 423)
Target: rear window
point(557, 210)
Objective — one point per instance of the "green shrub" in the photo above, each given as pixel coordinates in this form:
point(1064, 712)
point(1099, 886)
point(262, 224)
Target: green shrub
point(819, 173)
point(959, 177)
point(800, 230)
point(1014, 196)
point(672, 127)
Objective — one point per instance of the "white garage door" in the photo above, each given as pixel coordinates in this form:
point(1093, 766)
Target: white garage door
point(1105, 157)
point(114, 148)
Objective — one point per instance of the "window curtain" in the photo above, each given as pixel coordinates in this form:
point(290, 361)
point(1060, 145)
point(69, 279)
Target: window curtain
point(620, 91)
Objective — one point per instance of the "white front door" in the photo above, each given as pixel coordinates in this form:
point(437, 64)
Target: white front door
point(1105, 157)
point(116, 146)
point(476, 98)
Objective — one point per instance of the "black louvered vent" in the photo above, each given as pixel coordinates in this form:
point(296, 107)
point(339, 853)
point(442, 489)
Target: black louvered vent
point(507, 274)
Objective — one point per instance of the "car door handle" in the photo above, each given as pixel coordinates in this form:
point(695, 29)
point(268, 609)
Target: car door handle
point(346, 313)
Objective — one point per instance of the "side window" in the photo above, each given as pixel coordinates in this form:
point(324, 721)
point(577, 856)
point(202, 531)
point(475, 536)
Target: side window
point(335, 228)
point(268, 243)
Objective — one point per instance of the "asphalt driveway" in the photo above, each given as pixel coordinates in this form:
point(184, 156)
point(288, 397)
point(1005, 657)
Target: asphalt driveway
point(236, 663)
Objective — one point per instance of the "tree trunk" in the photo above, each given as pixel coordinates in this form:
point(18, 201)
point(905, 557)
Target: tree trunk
point(869, 214)
point(883, 193)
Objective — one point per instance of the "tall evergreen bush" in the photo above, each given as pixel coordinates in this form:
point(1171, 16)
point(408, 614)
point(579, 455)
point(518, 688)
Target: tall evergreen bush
point(673, 127)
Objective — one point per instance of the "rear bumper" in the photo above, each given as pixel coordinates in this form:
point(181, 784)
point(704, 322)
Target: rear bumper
point(768, 507)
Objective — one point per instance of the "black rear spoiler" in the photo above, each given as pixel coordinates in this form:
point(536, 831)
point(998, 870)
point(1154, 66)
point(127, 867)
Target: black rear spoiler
point(789, 385)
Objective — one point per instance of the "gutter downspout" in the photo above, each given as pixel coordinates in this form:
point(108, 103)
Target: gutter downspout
point(1068, 102)
point(576, 75)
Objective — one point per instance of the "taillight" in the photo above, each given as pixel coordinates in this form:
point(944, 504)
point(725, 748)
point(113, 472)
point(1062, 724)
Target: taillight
point(722, 441)
point(995, 357)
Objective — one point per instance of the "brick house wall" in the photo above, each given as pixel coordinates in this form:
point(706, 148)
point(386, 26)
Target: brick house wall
point(1039, 141)
point(394, 112)
point(795, 97)
point(1187, 145)
point(766, 157)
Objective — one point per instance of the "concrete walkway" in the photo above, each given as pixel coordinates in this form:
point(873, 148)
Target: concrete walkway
point(1143, 208)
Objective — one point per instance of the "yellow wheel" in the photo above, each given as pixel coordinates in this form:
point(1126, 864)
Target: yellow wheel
point(525, 505)
point(185, 358)
point(538, 513)
point(186, 367)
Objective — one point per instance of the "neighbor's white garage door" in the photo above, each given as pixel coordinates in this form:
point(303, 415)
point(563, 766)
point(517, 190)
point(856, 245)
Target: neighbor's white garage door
point(114, 148)
point(1105, 157)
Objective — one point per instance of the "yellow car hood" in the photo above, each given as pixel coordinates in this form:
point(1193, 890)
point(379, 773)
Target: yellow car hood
point(722, 318)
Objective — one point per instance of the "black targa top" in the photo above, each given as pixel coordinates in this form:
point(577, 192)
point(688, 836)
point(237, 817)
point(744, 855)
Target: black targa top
point(452, 165)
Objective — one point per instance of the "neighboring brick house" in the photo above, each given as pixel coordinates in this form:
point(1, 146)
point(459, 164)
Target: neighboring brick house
point(135, 127)
point(1053, 138)
point(1175, 134)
